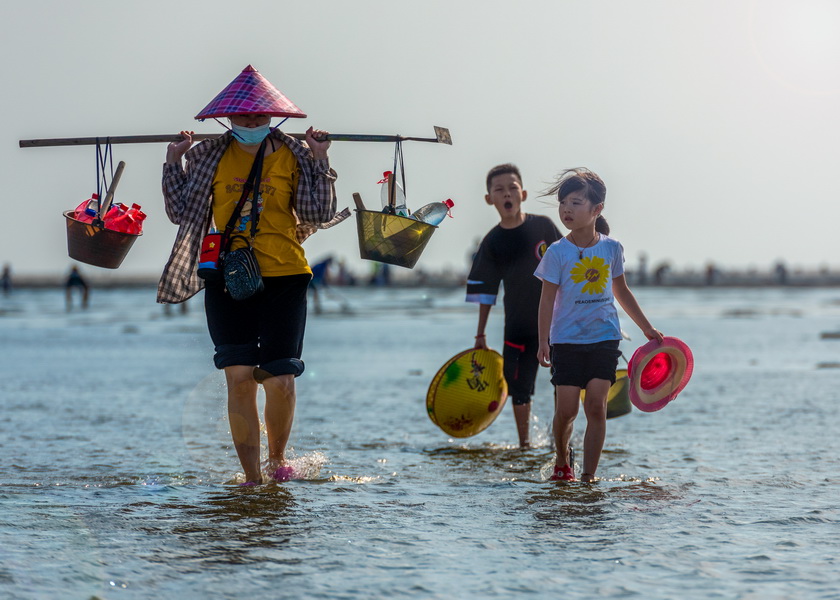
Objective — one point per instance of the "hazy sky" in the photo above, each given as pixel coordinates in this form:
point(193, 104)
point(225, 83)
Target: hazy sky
point(714, 123)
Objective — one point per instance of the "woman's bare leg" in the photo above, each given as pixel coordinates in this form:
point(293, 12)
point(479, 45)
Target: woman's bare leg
point(280, 402)
point(244, 419)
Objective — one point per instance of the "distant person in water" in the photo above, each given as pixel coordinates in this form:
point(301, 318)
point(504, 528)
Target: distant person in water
point(6, 279)
point(508, 255)
point(76, 281)
point(319, 280)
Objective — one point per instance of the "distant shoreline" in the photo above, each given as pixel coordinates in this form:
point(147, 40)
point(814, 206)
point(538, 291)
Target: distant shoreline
point(402, 278)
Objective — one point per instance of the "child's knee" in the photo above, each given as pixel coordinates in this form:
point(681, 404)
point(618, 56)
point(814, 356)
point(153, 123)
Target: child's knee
point(595, 408)
point(565, 411)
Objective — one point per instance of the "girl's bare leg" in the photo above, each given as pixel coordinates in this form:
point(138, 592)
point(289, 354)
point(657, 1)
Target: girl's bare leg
point(595, 408)
point(566, 400)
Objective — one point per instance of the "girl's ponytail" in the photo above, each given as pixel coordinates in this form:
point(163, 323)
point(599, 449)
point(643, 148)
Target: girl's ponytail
point(601, 225)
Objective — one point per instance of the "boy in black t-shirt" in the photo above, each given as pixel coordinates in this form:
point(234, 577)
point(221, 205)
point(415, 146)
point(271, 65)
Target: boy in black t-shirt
point(509, 254)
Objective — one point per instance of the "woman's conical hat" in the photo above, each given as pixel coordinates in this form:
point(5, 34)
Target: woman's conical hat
point(658, 372)
point(250, 93)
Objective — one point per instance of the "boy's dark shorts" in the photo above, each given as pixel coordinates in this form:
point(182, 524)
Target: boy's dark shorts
point(578, 364)
point(264, 331)
point(520, 369)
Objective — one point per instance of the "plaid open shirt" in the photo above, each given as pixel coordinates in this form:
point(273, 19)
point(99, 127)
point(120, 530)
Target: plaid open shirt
point(187, 197)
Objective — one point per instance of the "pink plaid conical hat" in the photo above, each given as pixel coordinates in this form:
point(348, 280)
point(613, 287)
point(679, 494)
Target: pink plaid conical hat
point(250, 93)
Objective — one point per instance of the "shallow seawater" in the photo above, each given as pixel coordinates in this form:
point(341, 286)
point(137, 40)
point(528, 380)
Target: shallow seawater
point(118, 478)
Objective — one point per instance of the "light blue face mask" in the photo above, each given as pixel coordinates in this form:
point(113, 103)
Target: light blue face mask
point(250, 136)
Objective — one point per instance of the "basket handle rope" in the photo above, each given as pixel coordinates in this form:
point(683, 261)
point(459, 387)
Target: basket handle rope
point(104, 157)
point(392, 189)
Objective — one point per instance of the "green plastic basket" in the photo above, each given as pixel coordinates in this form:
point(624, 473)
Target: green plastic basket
point(392, 239)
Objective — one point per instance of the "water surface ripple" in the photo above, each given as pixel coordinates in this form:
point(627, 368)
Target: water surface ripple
point(119, 480)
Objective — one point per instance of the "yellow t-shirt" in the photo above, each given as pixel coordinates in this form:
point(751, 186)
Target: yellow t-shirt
point(276, 245)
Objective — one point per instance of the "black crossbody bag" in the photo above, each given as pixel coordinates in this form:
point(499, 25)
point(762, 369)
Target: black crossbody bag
point(240, 268)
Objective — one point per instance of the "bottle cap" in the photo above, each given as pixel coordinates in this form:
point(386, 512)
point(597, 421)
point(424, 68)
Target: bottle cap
point(448, 202)
point(90, 212)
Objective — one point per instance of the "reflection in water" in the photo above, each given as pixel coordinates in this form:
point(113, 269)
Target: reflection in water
point(237, 526)
point(491, 461)
point(577, 508)
point(570, 505)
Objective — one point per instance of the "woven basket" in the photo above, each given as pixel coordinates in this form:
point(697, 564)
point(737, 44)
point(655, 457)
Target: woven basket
point(95, 245)
point(392, 239)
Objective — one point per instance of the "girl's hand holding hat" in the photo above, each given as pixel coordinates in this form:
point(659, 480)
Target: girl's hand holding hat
point(653, 334)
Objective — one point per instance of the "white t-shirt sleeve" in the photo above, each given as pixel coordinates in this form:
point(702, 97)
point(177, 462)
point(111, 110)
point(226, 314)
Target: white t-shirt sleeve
point(549, 267)
point(618, 261)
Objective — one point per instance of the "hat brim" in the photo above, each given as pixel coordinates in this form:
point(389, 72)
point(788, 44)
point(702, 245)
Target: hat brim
point(250, 93)
point(681, 366)
point(222, 114)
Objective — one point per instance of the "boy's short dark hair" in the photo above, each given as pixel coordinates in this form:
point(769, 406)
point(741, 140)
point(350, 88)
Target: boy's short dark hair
point(503, 170)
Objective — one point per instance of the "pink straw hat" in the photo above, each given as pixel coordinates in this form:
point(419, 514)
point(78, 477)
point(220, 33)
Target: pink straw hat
point(658, 372)
point(250, 93)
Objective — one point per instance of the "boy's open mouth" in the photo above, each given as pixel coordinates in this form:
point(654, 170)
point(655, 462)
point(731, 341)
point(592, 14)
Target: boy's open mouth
point(508, 205)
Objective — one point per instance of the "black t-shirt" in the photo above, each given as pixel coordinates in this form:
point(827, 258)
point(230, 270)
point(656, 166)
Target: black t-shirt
point(511, 256)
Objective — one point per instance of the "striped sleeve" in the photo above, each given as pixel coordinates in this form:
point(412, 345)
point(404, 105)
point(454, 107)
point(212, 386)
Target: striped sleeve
point(315, 200)
point(174, 180)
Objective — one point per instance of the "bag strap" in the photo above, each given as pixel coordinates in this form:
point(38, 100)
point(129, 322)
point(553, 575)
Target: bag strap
point(251, 185)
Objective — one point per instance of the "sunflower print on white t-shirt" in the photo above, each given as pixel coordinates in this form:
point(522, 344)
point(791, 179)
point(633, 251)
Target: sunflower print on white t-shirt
point(594, 272)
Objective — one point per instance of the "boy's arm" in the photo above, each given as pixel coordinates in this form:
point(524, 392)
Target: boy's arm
point(483, 314)
point(546, 311)
point(631, 306)
point(483, 288)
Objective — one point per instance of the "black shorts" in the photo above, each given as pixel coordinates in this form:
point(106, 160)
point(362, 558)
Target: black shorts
point(578, 364)
point(264, 331)
point(520, 369)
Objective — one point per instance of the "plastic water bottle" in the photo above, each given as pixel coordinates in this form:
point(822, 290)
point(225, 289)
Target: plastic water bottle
point(433, 213)
point(90, 203)
point(86, 217)
point(131, 223)
point(135, 218)
point(114, 216)
point(399, 195)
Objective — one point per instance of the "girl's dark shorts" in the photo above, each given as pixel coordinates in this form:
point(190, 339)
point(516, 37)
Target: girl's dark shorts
point(264, 331)
point(578, 364)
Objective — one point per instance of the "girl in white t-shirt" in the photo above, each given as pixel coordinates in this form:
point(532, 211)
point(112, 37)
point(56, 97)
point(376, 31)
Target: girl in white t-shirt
point(582, 277)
